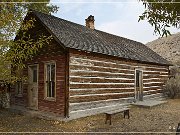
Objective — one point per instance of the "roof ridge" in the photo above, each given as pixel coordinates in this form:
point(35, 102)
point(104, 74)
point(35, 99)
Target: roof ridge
point(118, 36)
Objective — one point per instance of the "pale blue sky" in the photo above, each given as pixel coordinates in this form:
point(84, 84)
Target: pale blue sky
point(119, 17)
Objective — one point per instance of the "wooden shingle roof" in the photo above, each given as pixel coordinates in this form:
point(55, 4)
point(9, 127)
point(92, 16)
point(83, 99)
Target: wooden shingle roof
point(76, 36)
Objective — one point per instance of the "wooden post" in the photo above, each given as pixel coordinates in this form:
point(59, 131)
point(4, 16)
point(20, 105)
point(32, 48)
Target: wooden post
point(67, 86)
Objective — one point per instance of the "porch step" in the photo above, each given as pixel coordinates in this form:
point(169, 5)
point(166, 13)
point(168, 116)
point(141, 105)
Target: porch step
point(149, 103)
point(158, 96)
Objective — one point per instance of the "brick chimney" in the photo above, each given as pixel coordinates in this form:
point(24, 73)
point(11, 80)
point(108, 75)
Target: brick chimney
point(90, 22)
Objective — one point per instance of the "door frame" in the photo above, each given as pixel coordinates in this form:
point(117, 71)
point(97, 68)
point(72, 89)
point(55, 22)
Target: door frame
point(29, 67)
point(141, 85)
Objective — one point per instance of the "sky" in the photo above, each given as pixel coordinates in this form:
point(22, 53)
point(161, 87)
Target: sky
point(119, 17)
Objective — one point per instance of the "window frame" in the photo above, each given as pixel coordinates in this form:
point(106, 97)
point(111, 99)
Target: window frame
point(45, 79)
point(19, 90)
point(135, 77)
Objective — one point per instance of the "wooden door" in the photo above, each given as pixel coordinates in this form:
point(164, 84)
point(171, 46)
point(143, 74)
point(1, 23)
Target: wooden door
point(138, 85)
point(33, 86)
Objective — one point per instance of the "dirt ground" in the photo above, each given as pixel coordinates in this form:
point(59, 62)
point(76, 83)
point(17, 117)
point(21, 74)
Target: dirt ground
point(162, 118)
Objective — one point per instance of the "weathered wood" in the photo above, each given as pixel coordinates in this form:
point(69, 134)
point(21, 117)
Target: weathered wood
point(99, 85)
point(89, 98)
point(96, 78)
point(154, 84)
point(113, 112)
point(100, 74)
point(66, 108)
point(99, 91)
point(100, 80)
point(105, 58)
point(100, 68)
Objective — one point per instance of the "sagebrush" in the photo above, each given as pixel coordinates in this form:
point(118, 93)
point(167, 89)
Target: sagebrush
point(172, 87)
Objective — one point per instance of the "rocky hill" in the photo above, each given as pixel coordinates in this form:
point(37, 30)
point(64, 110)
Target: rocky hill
point(167, 47)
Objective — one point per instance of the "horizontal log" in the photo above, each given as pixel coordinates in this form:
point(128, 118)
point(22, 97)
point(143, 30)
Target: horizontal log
point(155, 72)
point(155, 80)
point(101, 74)
point(151, 91)
point(100, 68)
point(153, 84)
point(154, 76)
point(100, 85)
point(79, 58)
point(90, 98)
point(152, 88)
point(100, 80)
point(156, 69)
point(98, 91)
point(74, 60)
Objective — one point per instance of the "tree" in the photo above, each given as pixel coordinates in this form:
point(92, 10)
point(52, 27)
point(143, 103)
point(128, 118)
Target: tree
point(15, 52)
point(162, 14)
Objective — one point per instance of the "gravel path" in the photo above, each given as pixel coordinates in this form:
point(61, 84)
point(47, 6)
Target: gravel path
point(162, 118)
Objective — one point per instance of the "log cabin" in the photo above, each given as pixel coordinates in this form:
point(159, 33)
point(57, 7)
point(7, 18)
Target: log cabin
point(85, 71)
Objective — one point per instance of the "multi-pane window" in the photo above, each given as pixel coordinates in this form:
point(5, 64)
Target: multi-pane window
point(50, 80)
point(18, 86)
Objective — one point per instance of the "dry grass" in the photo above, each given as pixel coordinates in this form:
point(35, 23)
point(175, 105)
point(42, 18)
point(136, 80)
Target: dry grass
point(157, 119)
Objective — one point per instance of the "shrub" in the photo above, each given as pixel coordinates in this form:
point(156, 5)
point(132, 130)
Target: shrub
point(172, 87)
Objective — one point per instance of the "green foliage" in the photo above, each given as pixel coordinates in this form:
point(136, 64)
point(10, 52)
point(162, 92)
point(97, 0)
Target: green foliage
point(162, 14)
point(172, 87)
point(15, 52)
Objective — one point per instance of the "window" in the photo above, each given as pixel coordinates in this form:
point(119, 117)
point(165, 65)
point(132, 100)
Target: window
point(18, 87)
point(137, 78)
point(50, 80)
point(34, 79)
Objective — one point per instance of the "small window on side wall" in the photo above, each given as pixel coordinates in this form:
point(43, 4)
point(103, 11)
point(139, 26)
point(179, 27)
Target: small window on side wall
point(19, 88)
point(50, 70)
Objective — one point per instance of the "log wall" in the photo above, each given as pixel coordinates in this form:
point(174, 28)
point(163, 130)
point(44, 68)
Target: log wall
point(101, 78)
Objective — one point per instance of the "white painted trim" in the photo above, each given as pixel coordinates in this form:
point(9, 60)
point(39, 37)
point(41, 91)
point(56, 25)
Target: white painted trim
point(104, 94)
point(45, 77)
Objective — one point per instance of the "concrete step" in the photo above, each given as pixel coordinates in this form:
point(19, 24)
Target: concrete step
point(149, 103)
point(97, 104)
point(154, 96)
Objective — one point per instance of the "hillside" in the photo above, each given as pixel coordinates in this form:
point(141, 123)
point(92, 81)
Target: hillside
point(167, 47)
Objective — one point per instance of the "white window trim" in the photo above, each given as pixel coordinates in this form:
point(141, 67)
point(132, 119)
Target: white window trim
point(45, 77)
